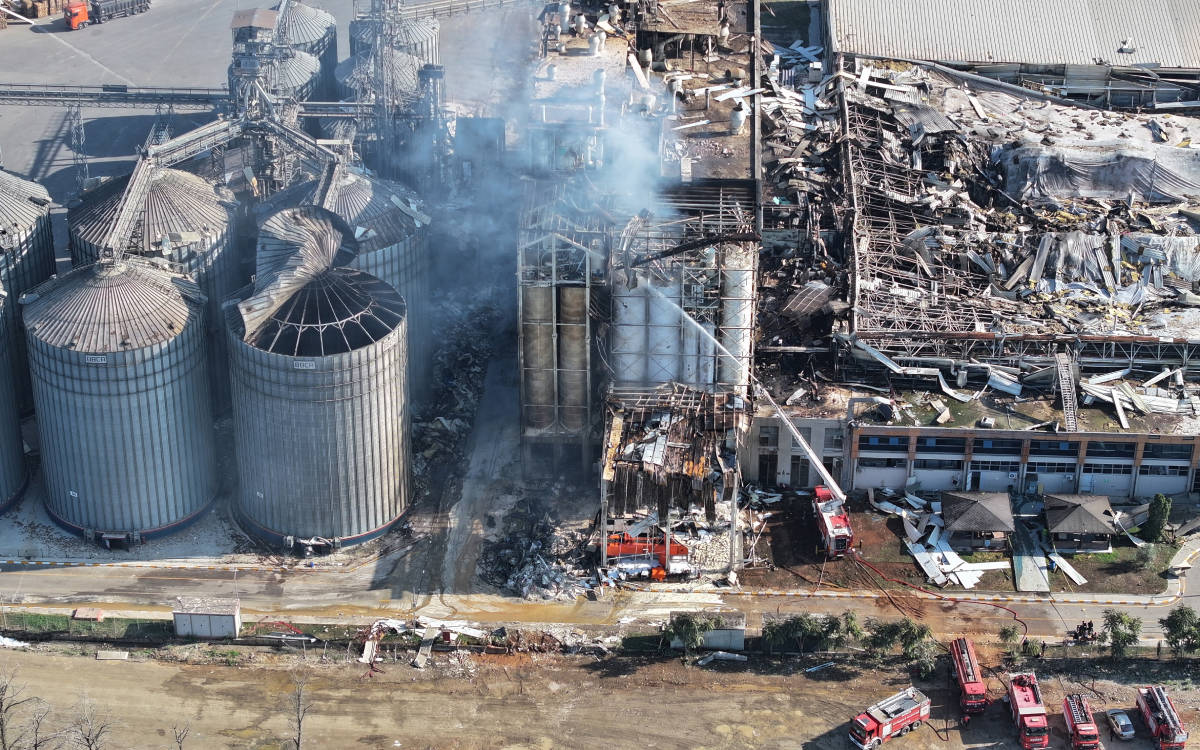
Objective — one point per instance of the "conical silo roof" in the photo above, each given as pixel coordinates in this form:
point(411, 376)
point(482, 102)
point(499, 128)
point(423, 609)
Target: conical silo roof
point(303, 24)
point(177, 203)
point(412, 35)
point(357, 74)
point(379, 213)
point(22, 203)
point(112, 306)
point(304, 302)
point(296, 69)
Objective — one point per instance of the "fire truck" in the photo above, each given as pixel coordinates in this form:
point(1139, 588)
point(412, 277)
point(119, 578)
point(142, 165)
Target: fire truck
point(891, 717)
point(651, 553)
point(833, 521)
point(973, 690)
point(1028, 712)
point(1162, 719)
point(1081, 725)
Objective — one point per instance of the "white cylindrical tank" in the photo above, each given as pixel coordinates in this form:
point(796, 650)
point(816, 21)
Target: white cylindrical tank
point(629, 332)
point(664, 333)
point(737, 316)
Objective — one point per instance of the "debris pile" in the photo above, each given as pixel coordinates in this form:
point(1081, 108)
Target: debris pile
point(923, 525)
point(536, 558)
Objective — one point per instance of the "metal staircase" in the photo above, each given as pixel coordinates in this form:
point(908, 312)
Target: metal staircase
point(1066, 387)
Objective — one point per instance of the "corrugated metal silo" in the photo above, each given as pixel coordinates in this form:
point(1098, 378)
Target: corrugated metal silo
point(319, 385)
point(418, 37)
point(120, 382)
point(13, 472)
point(189, 221)
point(297, 75)
point(391, 228)
point(313, 31)
point(356, 75)
point(26, 260)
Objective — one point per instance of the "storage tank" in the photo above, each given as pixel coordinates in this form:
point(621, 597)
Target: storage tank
point(313, 31)
point(356, 78)
point(573, 356)
point(120, 382)
point(391, 229)
point(189, 221)
point(321, 416)
point(26, 260)
point(537, 356)
point(13, 472)
point(418, 37)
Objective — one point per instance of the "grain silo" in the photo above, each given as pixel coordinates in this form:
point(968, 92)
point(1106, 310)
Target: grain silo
point(120, 382)
point(390, 227)
point(188, 221)
point(296, 75)
point(356, 78)
point(418, 37)
point(318, 354)
point(26, 260)
point(13, 472)
point(313, 31)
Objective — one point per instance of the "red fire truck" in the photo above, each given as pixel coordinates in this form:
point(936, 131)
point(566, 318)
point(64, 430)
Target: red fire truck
point(1162, 719)
point(1081, 725)
point(973, 690)
point(1028, 712)
point(833, 521)
point(890, 717)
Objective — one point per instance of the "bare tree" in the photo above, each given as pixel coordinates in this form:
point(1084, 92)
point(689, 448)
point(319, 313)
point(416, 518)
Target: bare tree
point(181, 734)
point(89, 730)
point(13, 701)
point(37, 736)
point(300, 706)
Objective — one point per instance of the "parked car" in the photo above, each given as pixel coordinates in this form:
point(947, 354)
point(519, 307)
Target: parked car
point(1119, 723)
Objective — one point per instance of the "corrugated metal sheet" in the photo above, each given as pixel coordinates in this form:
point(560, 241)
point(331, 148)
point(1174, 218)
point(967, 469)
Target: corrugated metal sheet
point(322, 442)
point(126, 428)
point(26, 260)
point(1082, 32)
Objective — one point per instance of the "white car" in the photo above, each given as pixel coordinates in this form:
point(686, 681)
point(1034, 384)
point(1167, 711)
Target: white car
point(1119, 723)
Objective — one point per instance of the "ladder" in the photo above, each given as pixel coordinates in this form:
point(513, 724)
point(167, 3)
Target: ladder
point(1066, 387)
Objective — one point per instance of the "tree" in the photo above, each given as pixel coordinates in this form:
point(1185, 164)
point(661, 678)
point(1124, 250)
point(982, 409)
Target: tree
point(689, 629)
point(300, 705)
point(89, 730)
point(808, 633)
point(37, 736)
point(1010, 636)
point(181, 734)
point(13, 701)
point(1182, 630)
point(1122, 631)
point(1160, 511)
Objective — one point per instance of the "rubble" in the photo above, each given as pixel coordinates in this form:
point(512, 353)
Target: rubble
point(535, 558)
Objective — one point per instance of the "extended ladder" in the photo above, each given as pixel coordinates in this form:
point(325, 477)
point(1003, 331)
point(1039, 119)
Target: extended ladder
point(1066, 387)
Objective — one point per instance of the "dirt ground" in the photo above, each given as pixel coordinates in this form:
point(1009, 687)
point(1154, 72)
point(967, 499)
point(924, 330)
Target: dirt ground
point(522, 701)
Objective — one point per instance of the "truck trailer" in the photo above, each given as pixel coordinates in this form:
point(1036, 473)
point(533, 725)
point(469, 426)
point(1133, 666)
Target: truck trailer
point(1028, 711)
point(891, 717)
point(967, 672)
point(1081, 723)
point(80, 13)
point(1161, 718)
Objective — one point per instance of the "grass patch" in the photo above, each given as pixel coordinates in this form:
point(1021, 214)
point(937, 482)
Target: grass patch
point(1125, 570)
point(117, 628)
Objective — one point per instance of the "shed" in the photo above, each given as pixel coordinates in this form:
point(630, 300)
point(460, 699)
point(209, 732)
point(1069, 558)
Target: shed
point(977, 519)
point(729, 635)
point(1080, 523)
point(207, 617)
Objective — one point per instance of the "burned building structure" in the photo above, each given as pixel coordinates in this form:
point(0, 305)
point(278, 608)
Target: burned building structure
point(975, 277)
point(637, 253)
